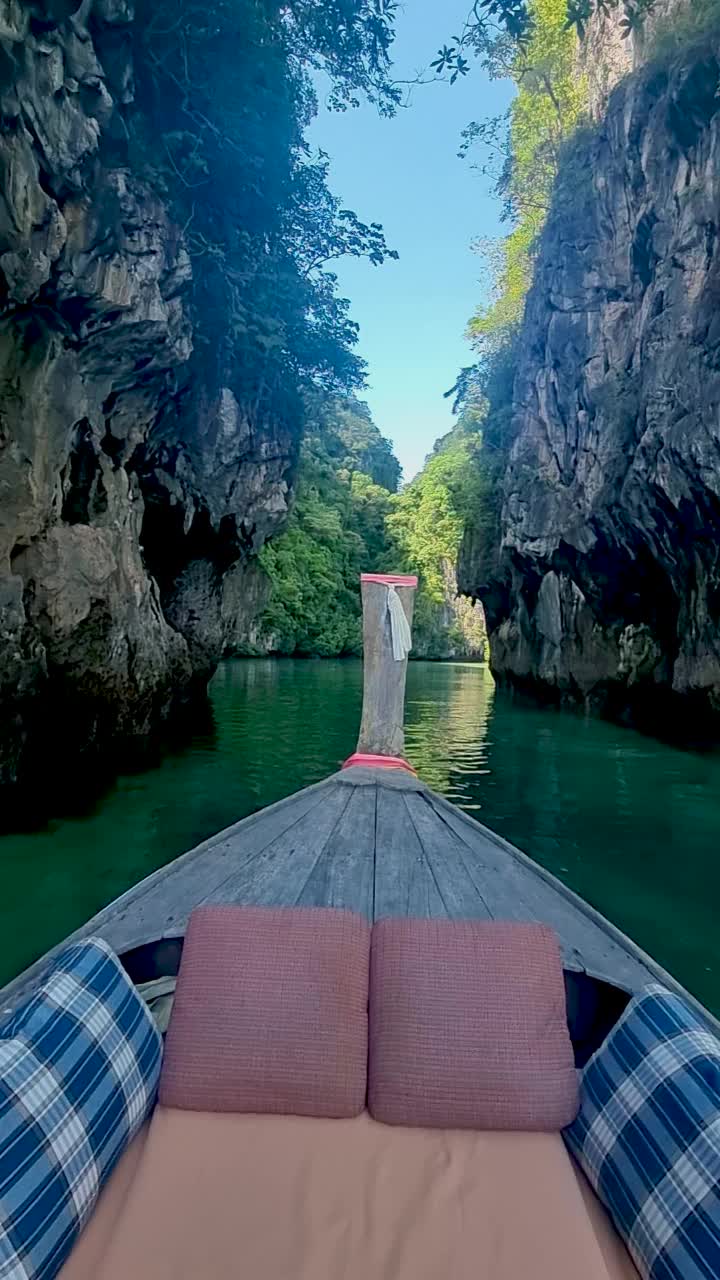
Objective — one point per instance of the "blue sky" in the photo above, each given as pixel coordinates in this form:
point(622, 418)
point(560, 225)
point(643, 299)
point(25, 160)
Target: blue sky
point(405, 174)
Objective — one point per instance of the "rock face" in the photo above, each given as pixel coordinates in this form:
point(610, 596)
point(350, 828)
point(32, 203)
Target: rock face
point(247, 591)
point(131, 482)
point(607, 54)
point(606, 586)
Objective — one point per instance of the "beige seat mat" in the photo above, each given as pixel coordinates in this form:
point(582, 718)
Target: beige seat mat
point(85, 1258)
point(617, 1259)
point(288, 1198)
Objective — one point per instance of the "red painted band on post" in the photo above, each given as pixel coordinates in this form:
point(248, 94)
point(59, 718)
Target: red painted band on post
point(378, 762)
point(391, 579)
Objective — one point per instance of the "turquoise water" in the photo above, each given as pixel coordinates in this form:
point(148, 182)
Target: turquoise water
point(630, 823)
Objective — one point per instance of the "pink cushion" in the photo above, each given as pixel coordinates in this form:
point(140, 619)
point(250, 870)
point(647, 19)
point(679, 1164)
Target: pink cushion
point(467, 1026)
point(270, 1013)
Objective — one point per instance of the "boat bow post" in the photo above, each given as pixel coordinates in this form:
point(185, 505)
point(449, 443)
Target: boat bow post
point(387, 603)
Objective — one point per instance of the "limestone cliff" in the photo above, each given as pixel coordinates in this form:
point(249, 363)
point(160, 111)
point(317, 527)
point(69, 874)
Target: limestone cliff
point(131, 480)
point(607, 53)
point(606, 584)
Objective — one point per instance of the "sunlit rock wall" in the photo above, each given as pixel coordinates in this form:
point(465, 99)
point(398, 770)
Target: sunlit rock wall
point(606, 587)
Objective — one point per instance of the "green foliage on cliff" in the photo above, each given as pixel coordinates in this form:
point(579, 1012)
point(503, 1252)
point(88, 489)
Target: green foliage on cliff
point(425, 524)
point(521, 152)
point(348, 519)
point(426, 527)
point(225, 96)
point(364, 449)
point(335, 532)
point(494, 26)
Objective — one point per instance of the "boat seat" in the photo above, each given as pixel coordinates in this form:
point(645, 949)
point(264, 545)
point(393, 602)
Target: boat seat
point(617, 1259)
point(294, 1198)
point(84, 1261)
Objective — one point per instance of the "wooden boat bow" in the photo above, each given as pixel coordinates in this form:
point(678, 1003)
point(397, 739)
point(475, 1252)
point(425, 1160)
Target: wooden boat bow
point(375, 839)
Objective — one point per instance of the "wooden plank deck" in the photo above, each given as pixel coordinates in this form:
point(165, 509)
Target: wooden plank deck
point(378, 842)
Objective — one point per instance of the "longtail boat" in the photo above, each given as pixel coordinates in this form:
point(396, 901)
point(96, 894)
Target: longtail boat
point(372, 840)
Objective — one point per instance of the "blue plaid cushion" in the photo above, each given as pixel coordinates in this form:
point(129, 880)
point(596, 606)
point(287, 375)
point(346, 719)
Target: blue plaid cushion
point(79, 1067)
point(648, 1136)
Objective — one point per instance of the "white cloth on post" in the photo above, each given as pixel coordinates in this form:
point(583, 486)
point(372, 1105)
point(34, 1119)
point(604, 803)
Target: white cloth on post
point(399, 626)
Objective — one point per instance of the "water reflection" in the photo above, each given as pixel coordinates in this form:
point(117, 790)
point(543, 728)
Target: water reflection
point(447, 719)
